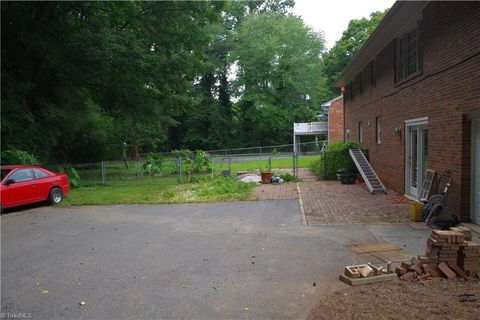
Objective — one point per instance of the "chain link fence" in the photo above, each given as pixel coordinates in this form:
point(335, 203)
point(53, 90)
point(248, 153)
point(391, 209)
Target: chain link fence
point(185, 166)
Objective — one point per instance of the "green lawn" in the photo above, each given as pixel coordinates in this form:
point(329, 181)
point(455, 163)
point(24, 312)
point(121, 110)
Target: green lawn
point(123, 186)
point(277, 163)
point(162, 190)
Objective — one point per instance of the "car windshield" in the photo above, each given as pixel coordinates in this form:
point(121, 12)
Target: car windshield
point(5, 172)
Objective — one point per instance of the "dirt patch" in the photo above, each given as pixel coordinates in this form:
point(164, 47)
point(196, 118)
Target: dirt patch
point(435, 299)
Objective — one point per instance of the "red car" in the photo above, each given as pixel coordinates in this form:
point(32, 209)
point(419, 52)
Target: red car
point(22, 185)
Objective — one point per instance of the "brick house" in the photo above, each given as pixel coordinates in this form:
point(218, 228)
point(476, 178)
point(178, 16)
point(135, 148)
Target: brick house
point(412, 97)
point(334, 108)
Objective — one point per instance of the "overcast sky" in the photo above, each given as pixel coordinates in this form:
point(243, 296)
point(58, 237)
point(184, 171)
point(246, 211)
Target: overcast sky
point(332, 16)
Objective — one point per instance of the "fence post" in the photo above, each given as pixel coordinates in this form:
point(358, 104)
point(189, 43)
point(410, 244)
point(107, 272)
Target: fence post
point(180, 167)
point(139, 177)
point(104, 178)
point(213, 166)
point(293, 165)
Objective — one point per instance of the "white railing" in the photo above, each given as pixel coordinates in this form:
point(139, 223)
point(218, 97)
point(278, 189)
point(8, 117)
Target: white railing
point(310, 127)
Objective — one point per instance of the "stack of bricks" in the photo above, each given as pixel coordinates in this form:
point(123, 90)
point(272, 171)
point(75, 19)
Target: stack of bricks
point(469, 258)
point(454, 248)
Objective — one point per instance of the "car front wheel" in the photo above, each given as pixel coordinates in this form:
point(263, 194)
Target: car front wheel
point(55, 196)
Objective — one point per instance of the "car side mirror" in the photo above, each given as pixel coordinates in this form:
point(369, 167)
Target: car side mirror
point(9, 181)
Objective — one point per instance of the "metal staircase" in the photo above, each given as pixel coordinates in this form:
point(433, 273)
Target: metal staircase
point(371, 179)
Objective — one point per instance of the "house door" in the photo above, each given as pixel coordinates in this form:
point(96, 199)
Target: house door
point(416, 157)
point(476, 171)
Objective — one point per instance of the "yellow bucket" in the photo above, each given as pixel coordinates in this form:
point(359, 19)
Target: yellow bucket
point(416, 211)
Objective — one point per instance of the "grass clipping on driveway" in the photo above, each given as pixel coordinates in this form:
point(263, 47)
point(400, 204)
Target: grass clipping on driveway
point(165, 190)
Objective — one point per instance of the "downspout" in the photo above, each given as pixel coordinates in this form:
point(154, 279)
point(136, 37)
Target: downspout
point(342, 90)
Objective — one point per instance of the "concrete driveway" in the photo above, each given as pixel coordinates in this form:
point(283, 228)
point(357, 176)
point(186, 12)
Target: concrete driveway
point(239, 260)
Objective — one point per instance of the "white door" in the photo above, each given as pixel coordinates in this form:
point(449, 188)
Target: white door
point(416, 157)
point(413, 161)
point(476, 171)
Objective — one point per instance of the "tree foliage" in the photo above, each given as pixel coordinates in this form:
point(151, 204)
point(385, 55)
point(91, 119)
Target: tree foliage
point(279, 79)
point(215, 120)
point(342, 52)
point(81, 79)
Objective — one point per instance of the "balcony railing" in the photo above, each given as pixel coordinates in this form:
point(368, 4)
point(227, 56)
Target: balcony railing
point(310, 128)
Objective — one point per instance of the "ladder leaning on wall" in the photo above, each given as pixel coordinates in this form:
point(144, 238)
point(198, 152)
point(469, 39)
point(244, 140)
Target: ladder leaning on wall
point(368, 174)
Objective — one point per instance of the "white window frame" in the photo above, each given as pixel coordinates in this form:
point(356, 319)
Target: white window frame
point(411, 123)
point(378, 128)
point(475, 125)
point(360, 131)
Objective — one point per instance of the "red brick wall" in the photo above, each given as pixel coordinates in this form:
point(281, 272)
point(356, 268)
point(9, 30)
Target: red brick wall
point(335, 121)
point(447, 92)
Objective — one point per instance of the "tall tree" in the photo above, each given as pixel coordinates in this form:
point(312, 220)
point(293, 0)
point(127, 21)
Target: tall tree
point(80, 78)
point(212, 120)
point(279, 79)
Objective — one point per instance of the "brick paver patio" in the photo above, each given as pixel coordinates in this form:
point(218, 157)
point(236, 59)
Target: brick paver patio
point(306, 175)
point(276, 191)
point(330, 202)
point(284, 190)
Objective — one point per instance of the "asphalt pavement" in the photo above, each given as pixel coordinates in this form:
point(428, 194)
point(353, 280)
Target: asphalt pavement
point(237, 260)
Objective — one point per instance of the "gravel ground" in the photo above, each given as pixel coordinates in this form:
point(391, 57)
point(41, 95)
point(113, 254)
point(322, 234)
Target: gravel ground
point(435, 299)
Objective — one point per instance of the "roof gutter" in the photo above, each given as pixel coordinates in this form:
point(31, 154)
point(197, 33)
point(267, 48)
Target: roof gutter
point(327, 104)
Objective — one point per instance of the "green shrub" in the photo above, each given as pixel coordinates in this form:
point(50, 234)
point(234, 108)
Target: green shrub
point(15, 156)
point(73, 176)
point(287, 177)
point(193, 162)
point(169, 169)
point(335, 159)
point(200, 162)
point(154, 164)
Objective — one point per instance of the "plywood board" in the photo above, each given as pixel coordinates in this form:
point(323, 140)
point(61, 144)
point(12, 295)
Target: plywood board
point(360, 281)
point(379, 251)
point(394, 255)
point(371, 247)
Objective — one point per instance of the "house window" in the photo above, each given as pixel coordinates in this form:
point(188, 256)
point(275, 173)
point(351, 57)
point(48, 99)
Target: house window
point(360, 132)
point(379, 130)
point(408, 53)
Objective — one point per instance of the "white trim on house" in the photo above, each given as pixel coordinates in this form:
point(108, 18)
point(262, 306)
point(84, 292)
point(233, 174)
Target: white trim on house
point(474, 117)
point(327, 104)
point(417, 122)
point(475, 217)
